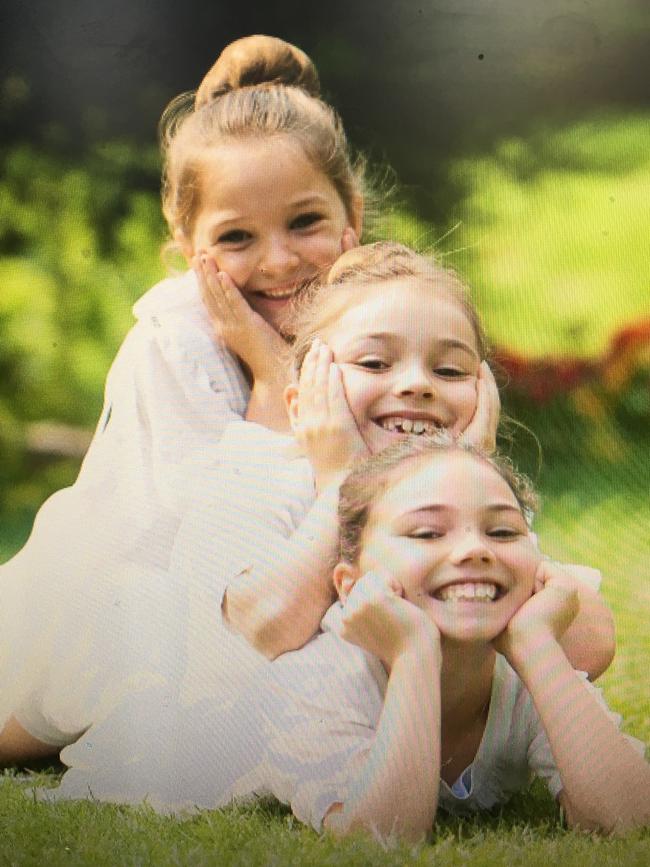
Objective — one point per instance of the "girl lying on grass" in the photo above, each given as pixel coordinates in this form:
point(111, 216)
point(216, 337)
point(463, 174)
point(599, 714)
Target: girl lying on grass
point(457, 687)
point(404, 349)
point(438, 679)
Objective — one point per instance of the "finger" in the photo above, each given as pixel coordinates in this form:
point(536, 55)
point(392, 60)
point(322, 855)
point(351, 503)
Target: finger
point(337, 398)
point(321, 380)
point(306, 379)
point(235, 301)
point(494, 403)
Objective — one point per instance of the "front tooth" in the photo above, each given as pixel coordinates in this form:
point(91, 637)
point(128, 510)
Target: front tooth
point(418, 427)
point(407, 425)
point(469, 590)
point(481, 591)
point(389, 424)
point(491, 591)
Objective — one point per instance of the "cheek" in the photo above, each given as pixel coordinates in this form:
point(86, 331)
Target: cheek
point(235, 264)
point(360, 391)
point(321, 250)
point(461, 398)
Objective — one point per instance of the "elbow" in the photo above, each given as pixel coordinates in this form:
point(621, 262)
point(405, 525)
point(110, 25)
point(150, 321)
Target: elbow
point(604, 647)
point(267, 624)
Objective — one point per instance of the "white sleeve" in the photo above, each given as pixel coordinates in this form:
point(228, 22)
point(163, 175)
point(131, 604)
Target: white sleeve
point(169, 395)
point(322, 704)
point(244, 508)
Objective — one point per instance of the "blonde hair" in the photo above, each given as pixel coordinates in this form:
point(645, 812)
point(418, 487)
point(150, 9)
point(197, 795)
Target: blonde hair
point(325, 300)
point(366, 484)
point(260, 86)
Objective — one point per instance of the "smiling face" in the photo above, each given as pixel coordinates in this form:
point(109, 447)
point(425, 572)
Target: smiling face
point(268, 218)
point(409, 360)
point(452, 533)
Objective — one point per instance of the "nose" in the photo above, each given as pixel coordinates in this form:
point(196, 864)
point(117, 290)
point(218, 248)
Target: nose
point(471, 547)
point(278, 257)
point(415, 380)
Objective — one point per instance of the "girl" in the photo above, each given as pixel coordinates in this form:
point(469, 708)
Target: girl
point(261, 545)
point(458, 687)
point(259, 184)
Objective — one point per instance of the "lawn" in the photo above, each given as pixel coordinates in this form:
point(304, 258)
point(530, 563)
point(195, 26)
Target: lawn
point(596, 514)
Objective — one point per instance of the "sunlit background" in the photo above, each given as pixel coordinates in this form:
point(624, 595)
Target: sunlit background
point(519, 134)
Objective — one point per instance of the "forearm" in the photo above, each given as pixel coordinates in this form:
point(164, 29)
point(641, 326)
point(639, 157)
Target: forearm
point(397, 789)
point(606, 782)
point(277, 605)
point(589, 642)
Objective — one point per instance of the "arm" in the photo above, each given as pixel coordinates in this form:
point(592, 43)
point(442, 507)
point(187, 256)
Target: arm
point(606, 784)
point(396, 789)
point(277, 605)
point(589, 642)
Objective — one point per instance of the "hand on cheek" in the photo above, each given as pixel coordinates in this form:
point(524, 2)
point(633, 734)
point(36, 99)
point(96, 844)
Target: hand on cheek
point(545, 616)
point(481, 432)
point(378, 619)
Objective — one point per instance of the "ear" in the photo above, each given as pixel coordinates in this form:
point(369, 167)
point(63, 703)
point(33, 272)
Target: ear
point(345, 577)
point(291, 403)
point(185, 244)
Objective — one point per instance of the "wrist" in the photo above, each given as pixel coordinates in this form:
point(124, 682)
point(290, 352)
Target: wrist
point(534, 653)
point(420, 649)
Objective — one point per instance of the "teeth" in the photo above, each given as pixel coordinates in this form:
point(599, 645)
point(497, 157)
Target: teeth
point(468, 590)
point(277, 293)
point(407, 425)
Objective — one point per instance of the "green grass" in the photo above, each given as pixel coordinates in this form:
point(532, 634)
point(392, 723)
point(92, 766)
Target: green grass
point(596, 514)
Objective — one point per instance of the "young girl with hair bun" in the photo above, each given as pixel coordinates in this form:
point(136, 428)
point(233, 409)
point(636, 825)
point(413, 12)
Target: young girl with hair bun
point(388, 348)
point(260, 193)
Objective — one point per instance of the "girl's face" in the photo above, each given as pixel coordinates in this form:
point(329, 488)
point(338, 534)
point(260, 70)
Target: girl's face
point(452, 533)
point(269, 219)
point(409, 362)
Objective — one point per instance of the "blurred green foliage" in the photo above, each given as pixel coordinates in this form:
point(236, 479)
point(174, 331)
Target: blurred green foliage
point(78, 244)
point(555, 235)
point(552, 235)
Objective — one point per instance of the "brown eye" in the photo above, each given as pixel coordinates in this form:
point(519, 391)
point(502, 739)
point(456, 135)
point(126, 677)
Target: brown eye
point(235, 236)
point(373, 364)
point(304, 221)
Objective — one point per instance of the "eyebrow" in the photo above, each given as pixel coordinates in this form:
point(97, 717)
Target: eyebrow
point(439, 507)
point(445, 342)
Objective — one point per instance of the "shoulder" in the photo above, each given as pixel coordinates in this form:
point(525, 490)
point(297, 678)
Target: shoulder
point(173, 332)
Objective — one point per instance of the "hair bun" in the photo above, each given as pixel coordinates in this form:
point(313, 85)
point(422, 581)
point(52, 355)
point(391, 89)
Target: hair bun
point(256, 60)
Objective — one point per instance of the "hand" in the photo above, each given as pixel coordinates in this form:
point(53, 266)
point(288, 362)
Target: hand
point(545, 616)
point(481, 431)
point(378, 619)
point(324, 425)
point(243, 330)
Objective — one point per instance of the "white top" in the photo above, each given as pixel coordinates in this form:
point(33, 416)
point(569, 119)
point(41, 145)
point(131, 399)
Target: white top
point(170, 392)
point(218, 721)
point(300, 731)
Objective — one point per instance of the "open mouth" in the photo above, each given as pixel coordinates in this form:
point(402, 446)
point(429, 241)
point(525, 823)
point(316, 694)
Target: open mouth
point(413, 427)
point(469, 591)
point(280, 294)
